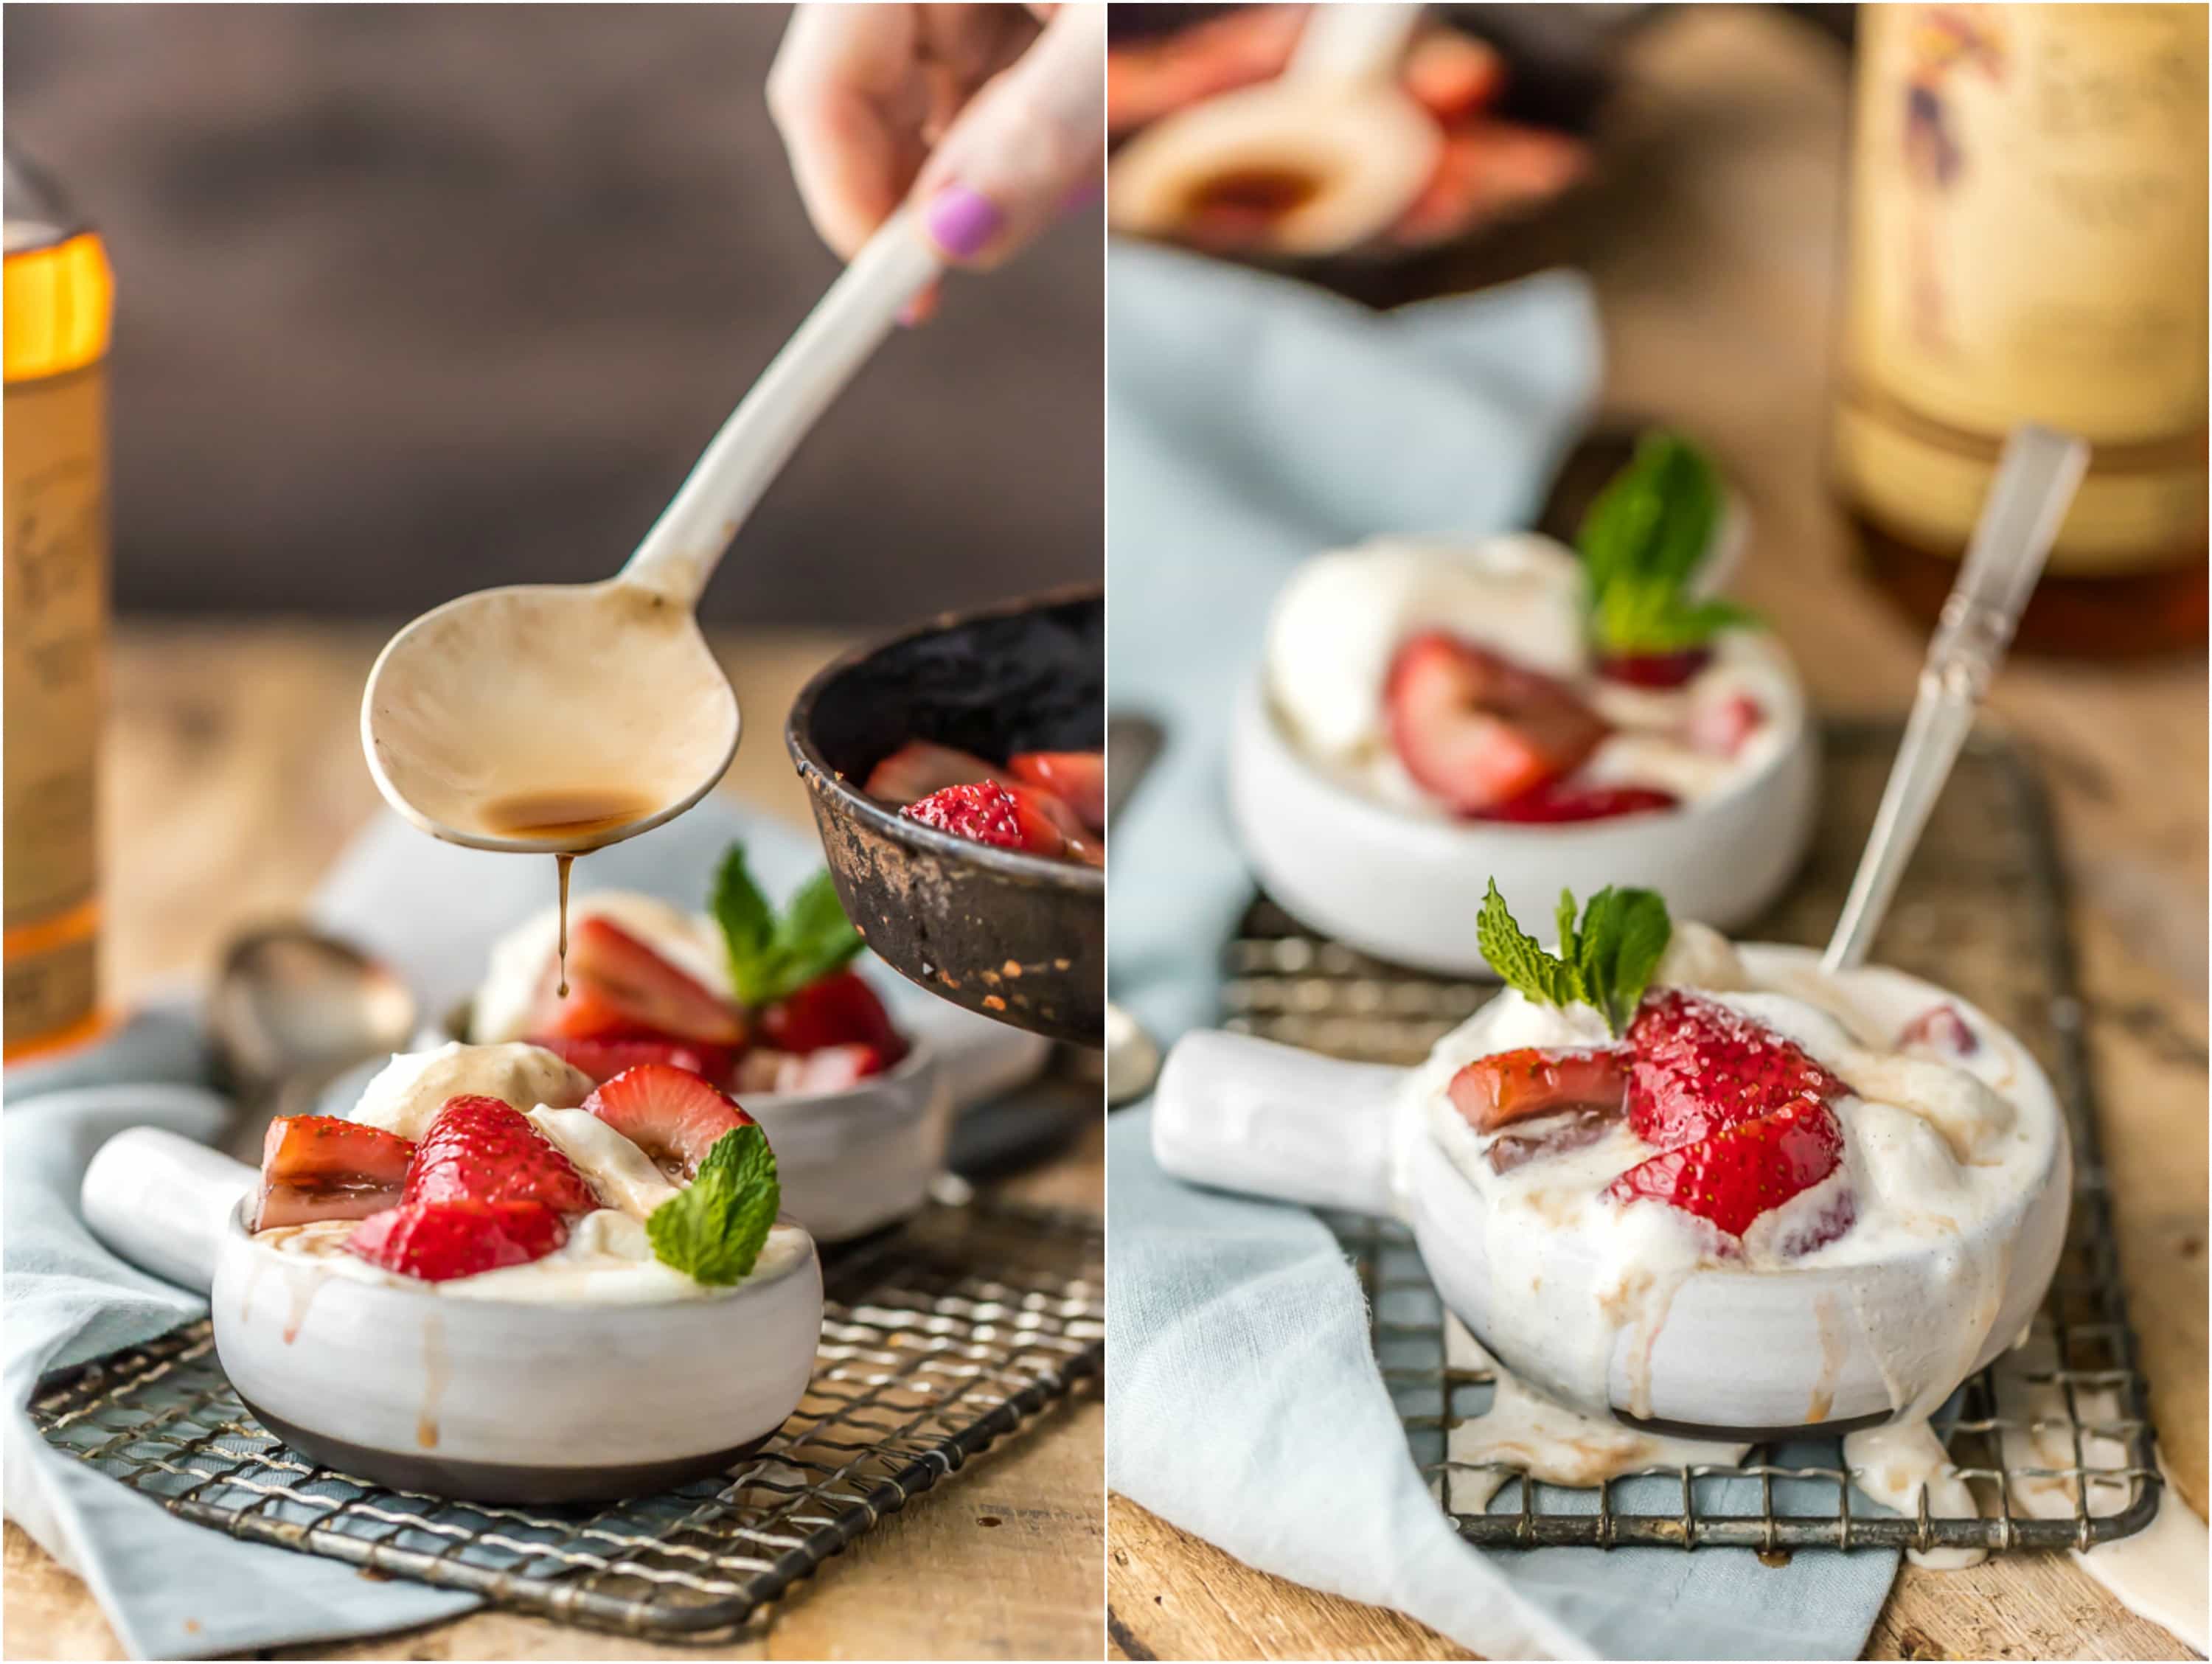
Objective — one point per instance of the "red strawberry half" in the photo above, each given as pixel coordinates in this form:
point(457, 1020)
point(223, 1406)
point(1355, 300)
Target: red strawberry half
point(1744, 1170)
point(989, 813)
point(919, 767)
point(440, 1240)
point(1078, 779)
point(603, 1059)
point(620, 988)
point(1479, 730)
point(840, 1009)
point(1943, 1030)
point(1720, 727)
point(1700, 1067)
point(1556, 802)
point(482, 1150)
point(324, 1167)
point(671, 1114)
point(1497, 1090)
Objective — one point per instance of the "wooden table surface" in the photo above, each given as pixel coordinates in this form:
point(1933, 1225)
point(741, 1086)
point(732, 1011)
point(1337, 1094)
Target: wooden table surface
point(234, 776)
point(1713, 259)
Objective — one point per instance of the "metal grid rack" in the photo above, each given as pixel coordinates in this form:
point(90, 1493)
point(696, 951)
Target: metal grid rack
point(1982, 911)
point(937, 1340)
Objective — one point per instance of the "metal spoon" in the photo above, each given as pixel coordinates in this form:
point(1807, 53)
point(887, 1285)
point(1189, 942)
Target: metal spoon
point(292, 1010)
point(2035, 481)
point(600, 704)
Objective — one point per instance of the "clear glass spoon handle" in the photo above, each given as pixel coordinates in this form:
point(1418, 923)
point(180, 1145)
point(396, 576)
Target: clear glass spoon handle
point(2036, 479)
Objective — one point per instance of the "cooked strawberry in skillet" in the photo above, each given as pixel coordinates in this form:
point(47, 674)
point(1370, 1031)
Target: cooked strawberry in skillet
point(323, 1167)
point(1048, 803)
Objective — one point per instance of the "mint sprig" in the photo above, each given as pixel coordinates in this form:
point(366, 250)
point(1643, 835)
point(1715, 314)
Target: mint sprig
point(773, 955)
point(1605, 960)
point(1641, 543)
point(712, 1230)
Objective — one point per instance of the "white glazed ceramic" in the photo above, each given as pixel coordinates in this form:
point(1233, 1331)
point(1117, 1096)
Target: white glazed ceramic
point(488, 1400)
point(855, 1161)
point(1407, 887)
point(1740, 1352)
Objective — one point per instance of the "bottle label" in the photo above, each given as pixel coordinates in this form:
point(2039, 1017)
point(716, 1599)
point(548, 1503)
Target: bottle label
point(57, 609)
point(2028, 244)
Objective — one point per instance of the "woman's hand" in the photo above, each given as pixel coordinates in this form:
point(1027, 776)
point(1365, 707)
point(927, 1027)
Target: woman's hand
point(992, 117)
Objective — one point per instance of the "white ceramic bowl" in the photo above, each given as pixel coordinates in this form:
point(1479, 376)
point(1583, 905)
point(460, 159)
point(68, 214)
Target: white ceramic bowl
point(1406, 888)
point(1741, 1355)
point(490, 1401)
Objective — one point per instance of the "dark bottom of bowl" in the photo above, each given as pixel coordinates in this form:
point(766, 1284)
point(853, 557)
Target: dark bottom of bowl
point(500, 1482)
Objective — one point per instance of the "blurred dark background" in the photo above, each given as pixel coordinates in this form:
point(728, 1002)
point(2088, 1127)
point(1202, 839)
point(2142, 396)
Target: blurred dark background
point(412, 300)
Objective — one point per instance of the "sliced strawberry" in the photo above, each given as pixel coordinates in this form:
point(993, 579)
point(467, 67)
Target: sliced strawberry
point(603, 1059)
point(831, 1069)
point(1078, 779)
point(482, 1150)
point(671, 1114)
point(1700, 1067)
point(1497, 1090)
point(919, 767)
point(324, 1167)
point(1743, 1170)
point(439, 1240)
point(620, 988)
point(989, 813)
point(1943, 1030)
point(840, 1009)
point(1479, 730)
point(1558, 802)
point(1654, 669)
point(1721, 726)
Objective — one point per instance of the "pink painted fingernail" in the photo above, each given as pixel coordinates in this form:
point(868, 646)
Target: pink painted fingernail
point(962, 221)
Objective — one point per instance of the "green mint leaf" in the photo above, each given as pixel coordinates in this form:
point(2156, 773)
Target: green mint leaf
point(1565, 918)
point(712, 1231)
point(814, 937)
point(1624, 933)
point(1641, 543)
point(1519, 959)
point(748, 926)
point(772, 957)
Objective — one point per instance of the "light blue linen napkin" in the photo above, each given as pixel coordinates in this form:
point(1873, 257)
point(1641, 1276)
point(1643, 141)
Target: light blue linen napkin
point(176, 1590)
point(1252, 422)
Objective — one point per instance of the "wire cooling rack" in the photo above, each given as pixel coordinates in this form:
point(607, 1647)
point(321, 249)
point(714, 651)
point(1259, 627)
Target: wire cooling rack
point(937, 1340)
point(2054, 1439)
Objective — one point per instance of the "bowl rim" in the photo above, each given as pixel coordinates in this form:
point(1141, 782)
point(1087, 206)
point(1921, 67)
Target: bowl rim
point(1260, 712)
point(1015, 866)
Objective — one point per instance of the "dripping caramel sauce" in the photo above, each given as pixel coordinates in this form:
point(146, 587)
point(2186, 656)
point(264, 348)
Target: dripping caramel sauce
point(572, 815)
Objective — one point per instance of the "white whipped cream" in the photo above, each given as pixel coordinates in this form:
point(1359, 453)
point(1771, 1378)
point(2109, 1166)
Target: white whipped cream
point(1934, 1149)
point(507, 997)
point(405, 1096)
point(1342, 616)
point(607, 1258)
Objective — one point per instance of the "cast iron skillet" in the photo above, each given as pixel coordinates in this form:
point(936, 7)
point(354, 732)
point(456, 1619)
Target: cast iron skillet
point(1014, 936)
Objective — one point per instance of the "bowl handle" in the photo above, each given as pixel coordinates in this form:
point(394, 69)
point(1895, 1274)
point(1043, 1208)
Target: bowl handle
point(163, 1202)
point(1248, 1114)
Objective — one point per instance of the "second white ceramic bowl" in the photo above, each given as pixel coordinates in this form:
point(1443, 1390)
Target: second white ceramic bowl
point(1407, 888)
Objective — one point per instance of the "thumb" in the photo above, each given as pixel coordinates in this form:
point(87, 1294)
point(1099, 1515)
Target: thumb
point(1030, 142)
